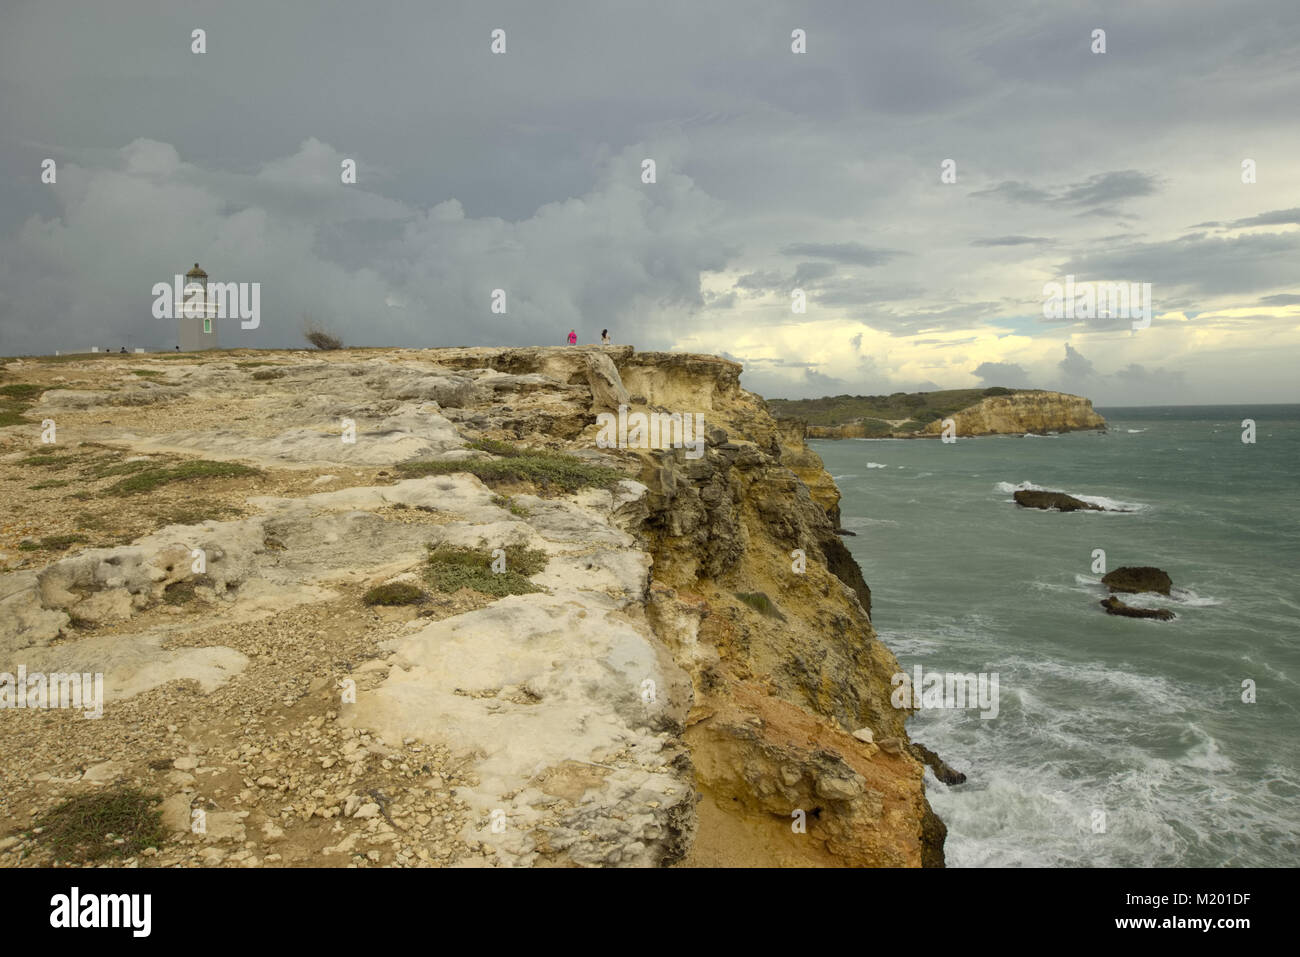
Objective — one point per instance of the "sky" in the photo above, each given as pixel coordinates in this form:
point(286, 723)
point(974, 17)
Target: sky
point(774, 171)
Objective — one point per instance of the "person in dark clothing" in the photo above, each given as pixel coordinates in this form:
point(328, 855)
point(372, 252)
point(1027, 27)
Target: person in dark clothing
point(604, 337)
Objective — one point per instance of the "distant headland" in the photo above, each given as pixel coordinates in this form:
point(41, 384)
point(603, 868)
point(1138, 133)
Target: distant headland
point(909, 415)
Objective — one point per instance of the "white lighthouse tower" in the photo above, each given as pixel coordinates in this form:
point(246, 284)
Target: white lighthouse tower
point(196, 314)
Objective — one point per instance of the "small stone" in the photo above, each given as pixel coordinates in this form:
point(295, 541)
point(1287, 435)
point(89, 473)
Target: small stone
point(864, 735)
point(185, 764)
point(367, 810)
point(102, 773)
point(838, 789)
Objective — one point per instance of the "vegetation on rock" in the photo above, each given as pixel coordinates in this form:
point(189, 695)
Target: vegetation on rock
point(450, 568)
point(394, 593)
point(549, 471)
point(118, 822)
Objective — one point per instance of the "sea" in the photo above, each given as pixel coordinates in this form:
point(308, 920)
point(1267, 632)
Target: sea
point(1118, 742)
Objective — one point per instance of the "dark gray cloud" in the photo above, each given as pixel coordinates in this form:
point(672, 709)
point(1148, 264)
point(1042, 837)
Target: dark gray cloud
point(855, 253)
point(1251, 263)
point(522, 171)
point(1102, 190)
point(808, 273)
point(1277, 217)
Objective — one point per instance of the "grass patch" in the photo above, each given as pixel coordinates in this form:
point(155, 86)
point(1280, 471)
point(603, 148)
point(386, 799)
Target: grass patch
point(16, 397)
point(198, 514)
point(111, 468)
point(264, 374)
point(394, 593)
point(21, 390)
point(452, 567)
point(118, 822)
point(147, 373)
point(760, 603)
point(254, 364)
point(546, 470)
point(509, 504)
point(48, 460)
point(152, 478)
point(52, 483)
point(60, 542)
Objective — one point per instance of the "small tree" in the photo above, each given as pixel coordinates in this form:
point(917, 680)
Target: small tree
point(318, 337)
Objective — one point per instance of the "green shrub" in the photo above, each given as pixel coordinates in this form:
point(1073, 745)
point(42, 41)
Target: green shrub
point(546, 470)
point(394, 593)
point(452, 567)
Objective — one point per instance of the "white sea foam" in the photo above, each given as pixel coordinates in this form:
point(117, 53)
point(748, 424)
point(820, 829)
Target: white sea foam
point(1185, 596)
point(876, 465)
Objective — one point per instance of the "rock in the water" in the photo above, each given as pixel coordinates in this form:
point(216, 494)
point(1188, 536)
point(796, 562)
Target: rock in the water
point(1032, 498)
point(1133, 579)
point(937, 764)
point(1114, 606)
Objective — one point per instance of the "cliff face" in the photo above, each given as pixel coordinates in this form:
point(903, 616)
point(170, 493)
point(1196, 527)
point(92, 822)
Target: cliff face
point(1030, 411)
point(681, 691)
point(1024, 412)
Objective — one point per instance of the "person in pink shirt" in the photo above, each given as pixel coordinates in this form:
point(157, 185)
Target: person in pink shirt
point(573, 337)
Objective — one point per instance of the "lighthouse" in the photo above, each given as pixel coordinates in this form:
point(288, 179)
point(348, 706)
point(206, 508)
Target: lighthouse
point(196, 325)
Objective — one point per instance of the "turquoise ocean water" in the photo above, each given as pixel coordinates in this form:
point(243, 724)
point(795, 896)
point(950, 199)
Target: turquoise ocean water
point(1140, 721)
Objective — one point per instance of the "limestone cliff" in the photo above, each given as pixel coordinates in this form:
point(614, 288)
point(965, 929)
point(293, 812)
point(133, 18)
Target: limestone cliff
point(681, 687)
point(1035, 411)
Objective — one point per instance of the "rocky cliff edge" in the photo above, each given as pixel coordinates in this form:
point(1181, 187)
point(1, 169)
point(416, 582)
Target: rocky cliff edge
point(682, 688)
